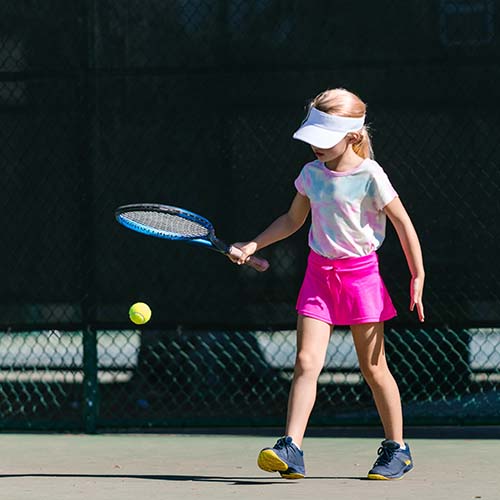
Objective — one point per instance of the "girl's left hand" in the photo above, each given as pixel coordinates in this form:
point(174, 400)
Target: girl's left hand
point(416, 292)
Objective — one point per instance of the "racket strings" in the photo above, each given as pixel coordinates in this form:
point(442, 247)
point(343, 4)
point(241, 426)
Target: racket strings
point(168, 224)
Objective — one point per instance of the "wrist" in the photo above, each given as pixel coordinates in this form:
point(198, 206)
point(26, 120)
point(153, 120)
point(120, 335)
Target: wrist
point(254, 245)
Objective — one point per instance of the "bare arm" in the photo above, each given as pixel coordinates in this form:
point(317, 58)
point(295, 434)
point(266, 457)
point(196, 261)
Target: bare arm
point(281, 228)
point(411, 248)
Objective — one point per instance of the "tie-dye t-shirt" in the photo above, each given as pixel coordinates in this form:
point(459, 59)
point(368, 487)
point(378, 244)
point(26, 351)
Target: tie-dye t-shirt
point(346, 208)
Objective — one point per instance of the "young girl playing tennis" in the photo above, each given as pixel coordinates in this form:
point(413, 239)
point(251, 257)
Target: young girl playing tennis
point(349, 196)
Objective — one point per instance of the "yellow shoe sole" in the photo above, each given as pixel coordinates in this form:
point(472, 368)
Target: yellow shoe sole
point(293, 475)
point(379, 477)
point(270, 462)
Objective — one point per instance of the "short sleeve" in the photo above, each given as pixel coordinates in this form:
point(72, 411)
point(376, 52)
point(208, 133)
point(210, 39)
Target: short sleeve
point(300, 183)
point(381, 189)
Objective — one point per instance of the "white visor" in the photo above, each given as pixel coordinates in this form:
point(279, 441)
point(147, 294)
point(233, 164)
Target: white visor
point(324, 130)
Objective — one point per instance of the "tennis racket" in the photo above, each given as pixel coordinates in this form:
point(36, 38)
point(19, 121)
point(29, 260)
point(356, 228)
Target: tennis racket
point(173, 223)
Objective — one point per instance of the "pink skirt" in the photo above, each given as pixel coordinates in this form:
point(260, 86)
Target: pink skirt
point(344, 291)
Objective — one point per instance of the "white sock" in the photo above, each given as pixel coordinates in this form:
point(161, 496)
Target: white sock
point(402, 447)
point(296, 444)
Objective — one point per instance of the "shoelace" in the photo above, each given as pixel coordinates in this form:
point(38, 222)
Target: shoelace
point(280, 444)
point(385, 455)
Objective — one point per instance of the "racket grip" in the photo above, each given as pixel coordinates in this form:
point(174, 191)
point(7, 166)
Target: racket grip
point(257, 263)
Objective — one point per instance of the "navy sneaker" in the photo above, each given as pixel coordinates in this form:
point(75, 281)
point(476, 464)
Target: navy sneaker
point(284, 457)
point(392, 461)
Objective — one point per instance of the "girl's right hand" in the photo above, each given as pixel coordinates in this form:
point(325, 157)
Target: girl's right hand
point(248, 248)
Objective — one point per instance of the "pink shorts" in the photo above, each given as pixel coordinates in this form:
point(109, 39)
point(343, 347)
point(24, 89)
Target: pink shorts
point(344, 291)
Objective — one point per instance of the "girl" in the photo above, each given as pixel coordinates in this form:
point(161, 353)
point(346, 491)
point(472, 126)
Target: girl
point(349, 196)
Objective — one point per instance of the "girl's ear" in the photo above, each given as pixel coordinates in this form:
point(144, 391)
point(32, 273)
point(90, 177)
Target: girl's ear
point(354, 137)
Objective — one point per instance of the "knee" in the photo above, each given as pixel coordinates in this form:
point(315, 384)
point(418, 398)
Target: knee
point(308, 364)
point(375, 374)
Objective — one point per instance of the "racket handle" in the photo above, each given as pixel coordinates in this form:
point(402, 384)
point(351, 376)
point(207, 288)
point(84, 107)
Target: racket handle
point(257, 263)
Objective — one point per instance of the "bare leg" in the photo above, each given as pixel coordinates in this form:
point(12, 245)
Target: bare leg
point(312, 342)
point(369, 342)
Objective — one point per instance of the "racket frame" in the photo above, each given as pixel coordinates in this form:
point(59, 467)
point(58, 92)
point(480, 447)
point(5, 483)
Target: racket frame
point(210, 241)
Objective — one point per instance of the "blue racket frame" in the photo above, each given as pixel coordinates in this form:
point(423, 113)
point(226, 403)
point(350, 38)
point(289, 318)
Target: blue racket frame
point(211, 241)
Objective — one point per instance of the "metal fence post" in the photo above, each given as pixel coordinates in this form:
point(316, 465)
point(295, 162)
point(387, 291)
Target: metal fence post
point(90, 383)
point(89, 95)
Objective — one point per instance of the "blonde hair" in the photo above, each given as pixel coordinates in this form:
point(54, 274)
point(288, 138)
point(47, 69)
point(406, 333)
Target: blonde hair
point(341, 102)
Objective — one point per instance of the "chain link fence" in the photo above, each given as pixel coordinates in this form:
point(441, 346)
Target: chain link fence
point(193, 103)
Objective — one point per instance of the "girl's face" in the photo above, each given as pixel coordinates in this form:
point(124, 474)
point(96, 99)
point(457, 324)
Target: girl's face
point(325, 155)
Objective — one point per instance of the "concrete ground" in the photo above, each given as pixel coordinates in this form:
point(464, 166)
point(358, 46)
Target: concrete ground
point(215, 466)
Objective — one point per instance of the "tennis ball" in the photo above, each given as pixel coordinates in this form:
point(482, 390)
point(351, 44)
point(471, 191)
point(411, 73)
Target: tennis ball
point(139, 313)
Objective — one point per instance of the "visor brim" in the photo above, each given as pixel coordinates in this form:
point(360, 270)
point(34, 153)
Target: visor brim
point(319, 137)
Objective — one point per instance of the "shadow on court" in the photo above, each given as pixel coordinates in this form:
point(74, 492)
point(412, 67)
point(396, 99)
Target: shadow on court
point(244, 481)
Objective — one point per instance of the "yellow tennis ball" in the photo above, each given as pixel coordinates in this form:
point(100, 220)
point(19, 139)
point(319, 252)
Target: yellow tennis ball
point(139, 313)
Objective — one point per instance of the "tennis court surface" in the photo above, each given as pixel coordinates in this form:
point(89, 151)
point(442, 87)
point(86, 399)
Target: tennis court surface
point(182, 466)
